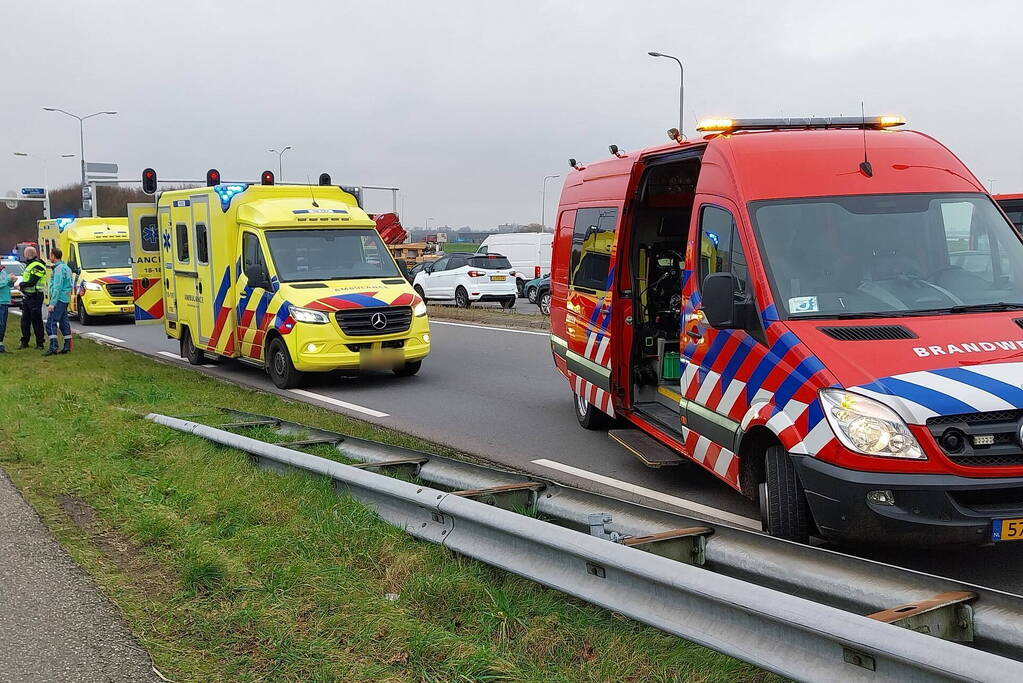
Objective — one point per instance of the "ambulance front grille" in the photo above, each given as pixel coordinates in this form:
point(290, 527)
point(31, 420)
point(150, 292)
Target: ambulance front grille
point(363, 322)
point(119, 290)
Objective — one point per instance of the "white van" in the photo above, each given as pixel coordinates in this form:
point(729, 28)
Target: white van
point(529, 253)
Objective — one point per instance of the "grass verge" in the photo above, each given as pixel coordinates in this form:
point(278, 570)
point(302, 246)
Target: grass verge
point(226, 572)
point(498, 317)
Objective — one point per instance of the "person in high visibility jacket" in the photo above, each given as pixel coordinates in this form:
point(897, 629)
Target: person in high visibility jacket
point(33, 284)
point(60, 298)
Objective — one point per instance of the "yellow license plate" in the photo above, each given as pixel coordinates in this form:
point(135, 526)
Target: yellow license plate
point(1007, 530)
point(497, 278)
point(126, 309)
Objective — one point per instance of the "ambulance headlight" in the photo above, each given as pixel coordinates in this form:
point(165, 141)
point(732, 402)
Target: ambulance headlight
point(308, 315)
point(93, 286)
point(868, 426)
point(419, 310)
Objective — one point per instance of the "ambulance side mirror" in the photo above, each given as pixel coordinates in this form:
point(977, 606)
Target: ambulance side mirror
point(257, 276)
point(724, 303)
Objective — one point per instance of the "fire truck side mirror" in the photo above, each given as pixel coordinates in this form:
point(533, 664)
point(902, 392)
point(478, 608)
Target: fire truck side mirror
point(724, 304)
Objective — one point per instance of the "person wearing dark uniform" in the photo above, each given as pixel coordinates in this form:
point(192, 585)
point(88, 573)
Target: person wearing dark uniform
point(33, 284)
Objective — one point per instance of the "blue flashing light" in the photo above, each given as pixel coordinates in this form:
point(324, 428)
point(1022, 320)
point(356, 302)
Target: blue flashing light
point(63, 223)
point(713, 237)
point(227, 193)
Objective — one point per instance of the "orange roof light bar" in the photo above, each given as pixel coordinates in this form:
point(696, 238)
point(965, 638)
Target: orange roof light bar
point(718, 125)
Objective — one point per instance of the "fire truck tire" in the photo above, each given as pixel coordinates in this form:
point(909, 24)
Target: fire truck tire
point(408, 369)
point(278, 364)
point(589, 416)
point(83, 315)
point(462, 298)
point(783, 505)
point(188, 350)
point(421, 293)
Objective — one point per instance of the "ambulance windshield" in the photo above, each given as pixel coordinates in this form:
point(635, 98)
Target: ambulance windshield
point(326, 254)
point(99, 255)
point(889, 255)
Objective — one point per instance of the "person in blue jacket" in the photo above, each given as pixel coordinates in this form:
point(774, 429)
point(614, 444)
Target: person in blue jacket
point(60, 298)
point(6, 283)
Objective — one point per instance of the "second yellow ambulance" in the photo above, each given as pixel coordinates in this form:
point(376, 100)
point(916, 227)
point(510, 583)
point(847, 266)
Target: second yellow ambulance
point(294, 279)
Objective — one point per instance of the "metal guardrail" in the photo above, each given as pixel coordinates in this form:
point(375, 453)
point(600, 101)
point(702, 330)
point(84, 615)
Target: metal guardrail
point(784, 633)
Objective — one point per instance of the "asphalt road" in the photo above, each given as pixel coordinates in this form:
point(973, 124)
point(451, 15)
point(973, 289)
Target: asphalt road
point(495, 393)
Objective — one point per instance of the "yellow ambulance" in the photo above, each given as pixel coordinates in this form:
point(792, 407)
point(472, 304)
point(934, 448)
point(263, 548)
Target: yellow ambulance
point(98, 253)
point(292, 278)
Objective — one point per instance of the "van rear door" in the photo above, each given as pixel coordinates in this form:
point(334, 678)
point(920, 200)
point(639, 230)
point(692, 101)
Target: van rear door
point(146, 268)
point(208, 296)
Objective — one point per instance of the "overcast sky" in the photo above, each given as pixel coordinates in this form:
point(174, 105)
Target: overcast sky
point(467, 105)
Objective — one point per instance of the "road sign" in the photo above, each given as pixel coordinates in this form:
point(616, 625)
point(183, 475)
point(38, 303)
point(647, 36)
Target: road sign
point(11, 203)
point(33, 192)
point(99, 170)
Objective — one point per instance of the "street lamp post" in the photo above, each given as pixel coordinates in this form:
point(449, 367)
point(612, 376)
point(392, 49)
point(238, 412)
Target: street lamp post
point(81, 138)
point(46, 179)
point(280, 160)
point(681, 83)
point(543, 201)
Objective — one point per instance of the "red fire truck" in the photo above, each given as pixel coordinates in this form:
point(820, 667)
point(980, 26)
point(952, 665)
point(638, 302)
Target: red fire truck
point(824, 313)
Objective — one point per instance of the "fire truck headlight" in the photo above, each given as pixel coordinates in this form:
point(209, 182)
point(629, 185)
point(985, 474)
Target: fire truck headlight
point(92, 286)
point(308, 315)
point(868, 426)
point(420, 309)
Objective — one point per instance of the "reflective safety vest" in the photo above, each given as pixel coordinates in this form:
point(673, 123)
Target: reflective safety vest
point(34, 267)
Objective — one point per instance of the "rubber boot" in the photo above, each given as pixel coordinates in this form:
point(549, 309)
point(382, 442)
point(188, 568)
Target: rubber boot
point(67, 345)
point(52, 351)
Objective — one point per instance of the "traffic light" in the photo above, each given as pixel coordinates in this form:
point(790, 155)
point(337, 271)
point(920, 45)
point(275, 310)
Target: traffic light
point(149, 181)
point(212, 177)
point(268, 178)
point(324, 179)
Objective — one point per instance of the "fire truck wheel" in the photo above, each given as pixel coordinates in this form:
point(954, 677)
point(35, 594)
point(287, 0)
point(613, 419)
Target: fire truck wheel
point(278, 364)
point(188, 351)
point(589, 416)
point(783, 507)
point(408, 369)
point(83, 315)
point(462, 298)
point(421, 293)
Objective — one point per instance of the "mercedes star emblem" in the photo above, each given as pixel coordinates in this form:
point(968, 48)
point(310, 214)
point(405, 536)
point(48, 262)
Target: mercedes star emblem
point(378, 321)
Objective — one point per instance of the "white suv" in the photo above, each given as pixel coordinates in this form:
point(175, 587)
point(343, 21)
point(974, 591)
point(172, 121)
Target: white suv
point(464, 278)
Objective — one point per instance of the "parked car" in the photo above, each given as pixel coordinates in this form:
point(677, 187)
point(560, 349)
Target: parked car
point(14, 269)
point(415, 270)
point(528, 252)
point(530, 288)
point(465, 278)
point(543, 296)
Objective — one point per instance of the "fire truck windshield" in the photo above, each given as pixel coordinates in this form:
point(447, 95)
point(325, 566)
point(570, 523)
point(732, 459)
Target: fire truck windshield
point(888, 255)
point(326, 254)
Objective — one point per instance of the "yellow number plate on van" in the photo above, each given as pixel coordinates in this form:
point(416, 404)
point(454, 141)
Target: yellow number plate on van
point(1007, 530)
point(497, 278)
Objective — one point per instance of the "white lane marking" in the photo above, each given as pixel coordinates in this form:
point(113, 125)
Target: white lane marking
point(172, 356)
point(724, 516)
point(104, 337)
point(339, 403)
point(488, 327)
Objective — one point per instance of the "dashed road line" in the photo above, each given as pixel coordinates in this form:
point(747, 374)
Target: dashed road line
point(339, 403)
point(489, 327)
point(103, 337)
point(685, 504)
point(172, 356)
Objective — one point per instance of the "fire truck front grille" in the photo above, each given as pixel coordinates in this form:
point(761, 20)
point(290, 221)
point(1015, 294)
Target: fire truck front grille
point(119, 290)
point(363, 322)
point(991, 439)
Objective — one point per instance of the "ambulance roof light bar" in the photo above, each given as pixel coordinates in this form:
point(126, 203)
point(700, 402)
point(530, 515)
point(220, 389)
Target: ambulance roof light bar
point(821, 122)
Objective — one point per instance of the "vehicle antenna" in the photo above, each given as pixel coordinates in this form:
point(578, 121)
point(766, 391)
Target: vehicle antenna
point(865, 166)
point(310, 183)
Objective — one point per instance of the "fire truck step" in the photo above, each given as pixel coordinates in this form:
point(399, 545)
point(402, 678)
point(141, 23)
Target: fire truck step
point(649, 450)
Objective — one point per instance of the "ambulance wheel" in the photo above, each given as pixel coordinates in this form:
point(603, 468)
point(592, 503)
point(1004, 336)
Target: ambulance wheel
point(83, 315)
point(421, 293)
point(188, 349)
point(508, 304)
point(278, 364)
point(408, 369)
point(462, 298)
point(783, 507)
point(589, 416)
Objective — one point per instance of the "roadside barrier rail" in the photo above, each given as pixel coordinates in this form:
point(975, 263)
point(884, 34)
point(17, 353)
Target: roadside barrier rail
point(653, 572)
